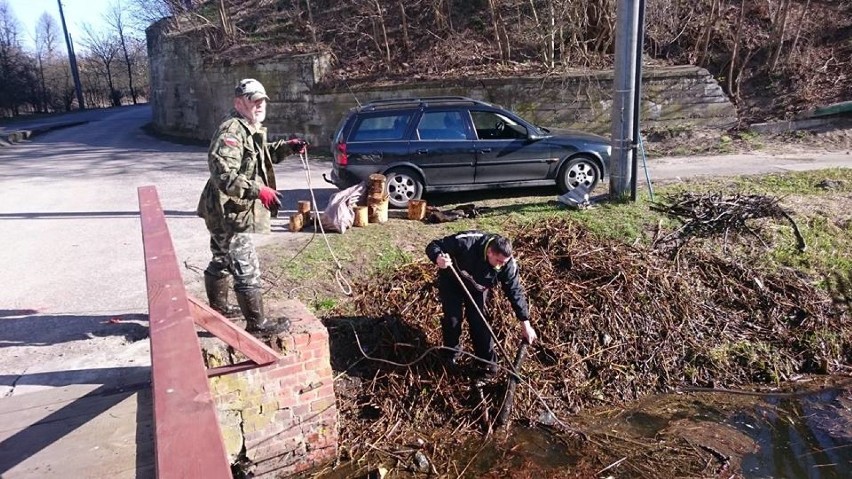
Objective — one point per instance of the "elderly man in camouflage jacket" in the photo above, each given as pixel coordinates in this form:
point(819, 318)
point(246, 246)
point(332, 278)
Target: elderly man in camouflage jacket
point(241, 198)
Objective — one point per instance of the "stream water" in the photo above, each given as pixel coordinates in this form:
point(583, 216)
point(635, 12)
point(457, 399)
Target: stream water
point(802, 434)
point(805, 436)
point(801, 431)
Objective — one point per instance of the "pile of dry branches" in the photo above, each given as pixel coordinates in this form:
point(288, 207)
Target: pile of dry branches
point(709, 215)
point(615, 323)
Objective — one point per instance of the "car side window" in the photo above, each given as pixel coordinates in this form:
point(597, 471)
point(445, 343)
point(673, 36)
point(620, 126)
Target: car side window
point(494, 126)
point(391, 126)
point(442, 125)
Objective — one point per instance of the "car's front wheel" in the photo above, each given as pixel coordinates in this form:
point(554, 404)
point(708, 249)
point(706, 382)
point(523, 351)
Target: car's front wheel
point(403, 185)
point(578, 171)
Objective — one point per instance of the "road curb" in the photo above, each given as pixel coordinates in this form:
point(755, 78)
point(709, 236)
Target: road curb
point(17, 136)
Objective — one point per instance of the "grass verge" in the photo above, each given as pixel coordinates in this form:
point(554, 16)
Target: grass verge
point(819, 201)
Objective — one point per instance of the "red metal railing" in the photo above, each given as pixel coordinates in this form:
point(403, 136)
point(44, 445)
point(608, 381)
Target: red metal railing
point(187, 436)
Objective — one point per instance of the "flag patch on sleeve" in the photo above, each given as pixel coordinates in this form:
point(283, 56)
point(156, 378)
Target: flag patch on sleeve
point(231, 141)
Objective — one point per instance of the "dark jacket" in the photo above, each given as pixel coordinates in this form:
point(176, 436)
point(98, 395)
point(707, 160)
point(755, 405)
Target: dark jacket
point(467, 250)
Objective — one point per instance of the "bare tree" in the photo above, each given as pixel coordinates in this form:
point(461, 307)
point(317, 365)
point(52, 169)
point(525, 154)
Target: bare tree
point(667, 22)
point(799, 27)
point(115, 19)
point(406, 42)
point(55, 81)
point(227, 24)
point(138, 48)
point(735, 50)
point(707, 33)
point(103, 49)
point(779, 29)
point(499, 30)
point(311, 25)
point(545, 31)
point(46, 41)
point(380, 16)
point(17, 77)
point(145, 12)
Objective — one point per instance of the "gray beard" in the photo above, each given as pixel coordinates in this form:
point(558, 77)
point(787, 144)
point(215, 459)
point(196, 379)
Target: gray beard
point(254, 120)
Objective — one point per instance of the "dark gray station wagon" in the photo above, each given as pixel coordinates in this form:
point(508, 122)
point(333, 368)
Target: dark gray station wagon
point(456, 144)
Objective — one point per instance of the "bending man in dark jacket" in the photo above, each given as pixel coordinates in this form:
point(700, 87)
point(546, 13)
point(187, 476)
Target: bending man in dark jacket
point(482, 260)
point(240, 198)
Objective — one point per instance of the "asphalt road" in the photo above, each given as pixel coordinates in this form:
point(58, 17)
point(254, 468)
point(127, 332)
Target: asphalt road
point(73, 297)
point(691, 167)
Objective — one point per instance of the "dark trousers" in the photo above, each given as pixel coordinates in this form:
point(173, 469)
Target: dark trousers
point(454, 302)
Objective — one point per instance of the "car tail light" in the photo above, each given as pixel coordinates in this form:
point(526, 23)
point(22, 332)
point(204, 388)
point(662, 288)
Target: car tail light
point(340, 155)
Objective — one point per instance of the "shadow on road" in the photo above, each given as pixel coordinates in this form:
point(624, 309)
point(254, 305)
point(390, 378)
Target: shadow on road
point(291, 198)
point(131, 136)
point(42, 433)
point(52, 215)
point(33, 329)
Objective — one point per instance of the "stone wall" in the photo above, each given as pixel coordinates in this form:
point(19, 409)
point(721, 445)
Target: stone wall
point(671, 96)
point(281, 418)
point(189, 97)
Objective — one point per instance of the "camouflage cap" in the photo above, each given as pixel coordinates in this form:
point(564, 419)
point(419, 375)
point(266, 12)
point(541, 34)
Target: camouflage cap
point(251, 88)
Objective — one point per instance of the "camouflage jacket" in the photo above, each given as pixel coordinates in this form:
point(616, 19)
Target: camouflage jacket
point(240, 161)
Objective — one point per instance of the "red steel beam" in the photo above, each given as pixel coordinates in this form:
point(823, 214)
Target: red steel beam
point(235, 336)
point(231, 369)
point(187, 437)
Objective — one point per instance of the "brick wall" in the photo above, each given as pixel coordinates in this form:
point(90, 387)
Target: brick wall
point(281, 419)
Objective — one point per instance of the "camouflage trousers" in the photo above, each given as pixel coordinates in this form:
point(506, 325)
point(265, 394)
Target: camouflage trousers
point(234, 254)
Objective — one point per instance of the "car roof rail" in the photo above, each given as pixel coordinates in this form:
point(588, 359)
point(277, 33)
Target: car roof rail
point(421, 101)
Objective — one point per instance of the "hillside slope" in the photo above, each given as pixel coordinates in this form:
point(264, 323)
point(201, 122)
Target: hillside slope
point(775, 59)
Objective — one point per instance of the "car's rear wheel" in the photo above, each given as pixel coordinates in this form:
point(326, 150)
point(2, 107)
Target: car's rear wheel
point(403, 184)
point(578, 171)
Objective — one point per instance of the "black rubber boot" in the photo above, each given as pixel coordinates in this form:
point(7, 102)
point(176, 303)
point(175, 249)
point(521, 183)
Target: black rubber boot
point(217, 295)
point(251, 304)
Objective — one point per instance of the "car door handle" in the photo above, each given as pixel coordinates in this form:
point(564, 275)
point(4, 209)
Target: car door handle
point(485, 150)
point(422, 151)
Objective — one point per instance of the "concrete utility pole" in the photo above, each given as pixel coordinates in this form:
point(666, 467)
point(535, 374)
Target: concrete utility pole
point(637, 98)
point(622, 172)
point(72, 59)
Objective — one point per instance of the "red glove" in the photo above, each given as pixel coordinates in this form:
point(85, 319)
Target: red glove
point(298, 145)
point(269, 197)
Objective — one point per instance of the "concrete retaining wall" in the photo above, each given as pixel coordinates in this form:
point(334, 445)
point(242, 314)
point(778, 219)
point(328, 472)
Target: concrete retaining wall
point(190, 97)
